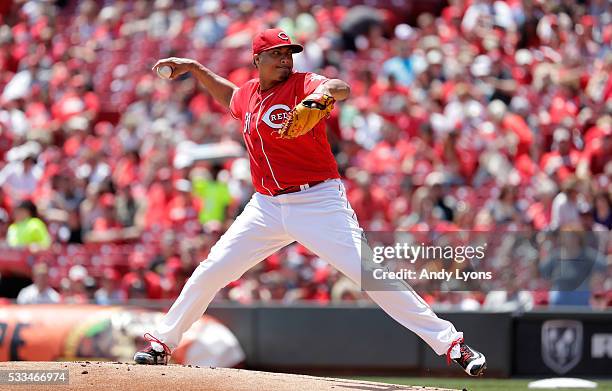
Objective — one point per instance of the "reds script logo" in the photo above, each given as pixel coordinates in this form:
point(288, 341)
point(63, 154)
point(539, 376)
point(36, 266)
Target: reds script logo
point(275, 116)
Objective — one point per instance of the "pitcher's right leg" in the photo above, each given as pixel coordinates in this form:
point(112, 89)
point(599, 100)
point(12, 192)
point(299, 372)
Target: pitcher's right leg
point(257, 233)
point(322, 220)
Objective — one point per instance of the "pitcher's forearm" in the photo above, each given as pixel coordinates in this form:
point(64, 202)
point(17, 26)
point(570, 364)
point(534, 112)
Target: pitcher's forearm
point(220, 88)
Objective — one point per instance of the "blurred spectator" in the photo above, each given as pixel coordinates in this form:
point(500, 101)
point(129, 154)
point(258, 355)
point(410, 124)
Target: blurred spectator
point(64, 195)
point(482, 15)
point(511, 297)
point(158, 198)
point(367, 199)
point(211, 23)
point(505, 209)
point(563, 159)
point(298, 21)
point(571, 267)
point(174, 277)
point(71, 231)
point(20, 177)
point(539, 212)
point(213, 194)
point(183, 206)
point(400, 66)
point(517, 137)
point(106, 227)
point(602, 211)
point(433, 183)
point(368, 124)
point(40, 292)
point(27, 230)
point(127, 206)
point(73, 287)
point(601, 300)
point(346, 290)
point(141, 283)
point(165, 22)
point(596, 155)
point(109, 291)
point(565, 205)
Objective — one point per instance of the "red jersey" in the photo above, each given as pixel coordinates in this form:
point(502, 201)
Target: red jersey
point(280, 163)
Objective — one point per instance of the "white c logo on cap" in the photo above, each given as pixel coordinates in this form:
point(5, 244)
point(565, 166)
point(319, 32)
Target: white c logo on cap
point(283, 35)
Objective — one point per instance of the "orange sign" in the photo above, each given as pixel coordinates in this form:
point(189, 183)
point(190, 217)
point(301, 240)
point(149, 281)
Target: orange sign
point(40, 332)
point(51, 332)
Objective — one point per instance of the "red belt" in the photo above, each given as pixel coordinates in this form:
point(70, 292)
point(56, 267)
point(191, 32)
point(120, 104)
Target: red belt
point(295, 189)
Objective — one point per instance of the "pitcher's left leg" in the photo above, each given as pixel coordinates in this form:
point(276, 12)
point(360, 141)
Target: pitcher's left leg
point(328, 226)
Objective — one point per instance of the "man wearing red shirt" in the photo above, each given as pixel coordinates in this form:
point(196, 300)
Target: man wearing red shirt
point(299, 197)
point(141, 283)
point(563, 159)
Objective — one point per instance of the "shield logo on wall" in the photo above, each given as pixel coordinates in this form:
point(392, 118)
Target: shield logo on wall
point(561, 344)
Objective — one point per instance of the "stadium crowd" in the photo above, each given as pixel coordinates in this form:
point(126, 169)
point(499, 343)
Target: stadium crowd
point(480, 115)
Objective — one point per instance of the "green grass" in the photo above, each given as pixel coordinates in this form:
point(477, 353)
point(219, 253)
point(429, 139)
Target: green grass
point(473, 384)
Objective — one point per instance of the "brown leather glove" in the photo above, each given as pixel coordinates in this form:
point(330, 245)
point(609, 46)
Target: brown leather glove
point(306, 115)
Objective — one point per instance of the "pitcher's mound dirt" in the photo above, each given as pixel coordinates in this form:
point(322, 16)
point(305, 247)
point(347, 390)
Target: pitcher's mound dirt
point(92, 376)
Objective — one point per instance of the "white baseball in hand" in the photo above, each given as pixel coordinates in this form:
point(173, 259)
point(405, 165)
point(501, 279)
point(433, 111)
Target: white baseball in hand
point(164, 71)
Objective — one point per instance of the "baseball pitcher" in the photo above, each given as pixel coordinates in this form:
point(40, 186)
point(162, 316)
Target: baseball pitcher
point(299, 197)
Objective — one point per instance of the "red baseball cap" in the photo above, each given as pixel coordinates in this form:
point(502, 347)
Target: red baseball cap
point(273, 38)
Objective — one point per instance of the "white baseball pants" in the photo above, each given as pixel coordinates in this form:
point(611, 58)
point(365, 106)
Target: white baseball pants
point(321, 219)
